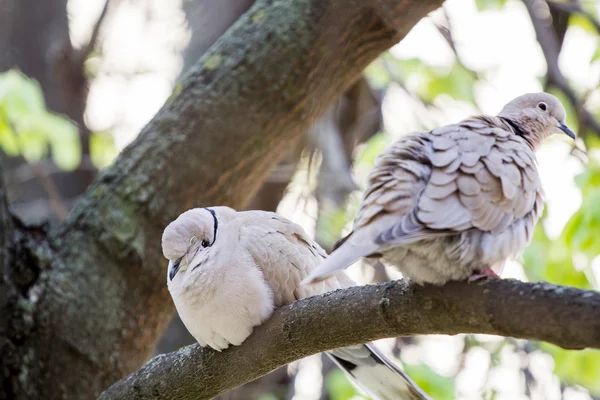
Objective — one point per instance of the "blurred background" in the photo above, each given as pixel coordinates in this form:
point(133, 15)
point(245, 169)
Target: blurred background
point(80, 78)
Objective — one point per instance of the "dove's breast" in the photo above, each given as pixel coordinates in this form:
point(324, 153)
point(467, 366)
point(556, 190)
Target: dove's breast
point(428, 261)
point(456, 257)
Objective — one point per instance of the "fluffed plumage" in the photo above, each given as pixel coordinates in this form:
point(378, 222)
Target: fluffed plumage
point(229, 270)
point(456, 202)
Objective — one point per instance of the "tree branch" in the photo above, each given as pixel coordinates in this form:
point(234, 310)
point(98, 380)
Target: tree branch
point(575, 8)
point(564, 316)
point(102, 300)
point(549, 43)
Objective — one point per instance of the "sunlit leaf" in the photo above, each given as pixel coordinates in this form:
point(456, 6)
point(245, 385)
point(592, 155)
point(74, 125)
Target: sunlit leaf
point(457, 83)
point(483, 5)
point(583, 23)
point(596, 55)
point(20, 95)
point(8, 139)
point(437, 386)
point(377, 75)
point(339, 387)
point(267, 396)
point(26, 127)
point(102, 149)
point(330, 224)
point(374, 146)
point(535, 255)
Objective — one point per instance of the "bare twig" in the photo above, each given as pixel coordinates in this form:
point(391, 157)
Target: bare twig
point(56, 201)
point(85, 51)
point(539, 13)
point(574, 7)
point(444, 27)
point(501, 307)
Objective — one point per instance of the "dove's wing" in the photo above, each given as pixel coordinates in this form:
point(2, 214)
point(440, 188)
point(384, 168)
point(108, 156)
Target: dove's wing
point(286, 255)
point(400, 175)
point(477, 174)
point(483, 176)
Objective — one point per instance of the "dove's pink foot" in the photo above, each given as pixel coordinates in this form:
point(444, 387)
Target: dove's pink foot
point(485, 273)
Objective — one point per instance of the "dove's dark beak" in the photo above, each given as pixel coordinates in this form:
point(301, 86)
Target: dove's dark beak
point(566, 130)
point(173, 268)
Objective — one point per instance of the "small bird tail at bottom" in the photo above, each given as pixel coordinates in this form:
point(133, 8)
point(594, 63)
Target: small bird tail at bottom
point(375, 374)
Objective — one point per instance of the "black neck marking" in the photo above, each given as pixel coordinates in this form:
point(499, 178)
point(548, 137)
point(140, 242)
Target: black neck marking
point(216, 223)
point(515, 127)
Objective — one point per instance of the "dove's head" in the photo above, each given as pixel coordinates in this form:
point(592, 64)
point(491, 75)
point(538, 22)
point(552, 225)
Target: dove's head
point(187, 240)
point(535, 116)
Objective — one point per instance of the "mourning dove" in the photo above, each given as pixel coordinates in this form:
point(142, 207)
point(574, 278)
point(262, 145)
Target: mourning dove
point(456, 202)
point(229, 270)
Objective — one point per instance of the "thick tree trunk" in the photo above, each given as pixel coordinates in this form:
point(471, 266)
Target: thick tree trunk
point(99, 302)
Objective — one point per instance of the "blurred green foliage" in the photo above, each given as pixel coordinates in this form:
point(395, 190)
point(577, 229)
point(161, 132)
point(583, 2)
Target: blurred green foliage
point(339, 387)
point(437, 386)
point(102, 149)
point(29, 129)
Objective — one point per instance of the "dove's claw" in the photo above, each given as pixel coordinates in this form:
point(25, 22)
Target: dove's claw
point(484, 274)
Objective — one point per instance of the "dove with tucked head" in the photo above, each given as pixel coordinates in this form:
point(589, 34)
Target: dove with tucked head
point(456, 202)
point(229, 270)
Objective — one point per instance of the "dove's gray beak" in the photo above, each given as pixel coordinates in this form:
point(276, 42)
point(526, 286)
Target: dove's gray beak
point(173, 268)
point(566, 130)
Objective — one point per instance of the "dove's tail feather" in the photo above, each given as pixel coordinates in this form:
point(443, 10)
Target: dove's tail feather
point(375, 374)
point(342, 257)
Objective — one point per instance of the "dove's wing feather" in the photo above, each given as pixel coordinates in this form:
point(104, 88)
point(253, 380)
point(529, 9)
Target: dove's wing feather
point(385, 215)
point(474, 175)
point(286, 255)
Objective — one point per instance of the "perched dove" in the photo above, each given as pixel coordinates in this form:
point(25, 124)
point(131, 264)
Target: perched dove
point(456, 202)
point(229, 270)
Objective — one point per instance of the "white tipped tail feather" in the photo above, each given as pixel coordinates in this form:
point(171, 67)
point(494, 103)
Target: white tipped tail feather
point(229, 270)
point(375, 374)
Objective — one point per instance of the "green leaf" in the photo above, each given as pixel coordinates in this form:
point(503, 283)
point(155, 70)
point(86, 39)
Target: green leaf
point(596, 55)
point(377, 75)
point(267, 396)
point(102, 149)
point(483, 5)
point(437, 386)
point(583, 23)
point(27, 127)
point(457, 83)
point(8, 139)
point(374, 146)
point(339, 387)
point(20, 95)
point(330, 224)
point(580, 367)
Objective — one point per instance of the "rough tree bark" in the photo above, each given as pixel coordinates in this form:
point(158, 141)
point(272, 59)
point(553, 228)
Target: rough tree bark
point(567, 317)
point(97, 302)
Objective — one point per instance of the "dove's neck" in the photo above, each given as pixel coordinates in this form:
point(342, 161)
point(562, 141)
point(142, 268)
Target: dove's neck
point(533, 135)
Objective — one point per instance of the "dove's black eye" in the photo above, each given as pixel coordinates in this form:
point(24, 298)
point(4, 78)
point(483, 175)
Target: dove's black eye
point(205, 243)
point(543, 106)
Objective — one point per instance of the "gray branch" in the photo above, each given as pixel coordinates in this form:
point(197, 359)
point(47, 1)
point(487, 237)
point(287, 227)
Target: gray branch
point(550, 46)
point(565, 316)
